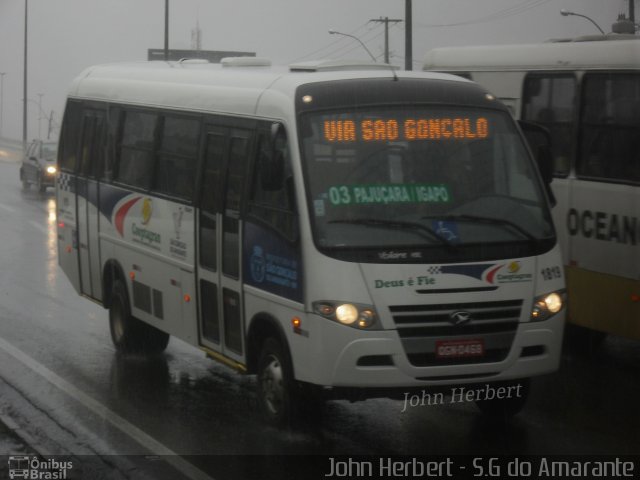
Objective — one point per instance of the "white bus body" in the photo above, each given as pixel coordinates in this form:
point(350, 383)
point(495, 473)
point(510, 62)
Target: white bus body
point(314, 239)
point(587, 93)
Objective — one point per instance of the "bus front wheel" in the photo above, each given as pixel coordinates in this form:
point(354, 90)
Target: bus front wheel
point(129, 334)
point(275, 384)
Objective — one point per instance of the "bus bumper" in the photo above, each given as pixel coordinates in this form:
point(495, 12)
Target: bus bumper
point(380, 361)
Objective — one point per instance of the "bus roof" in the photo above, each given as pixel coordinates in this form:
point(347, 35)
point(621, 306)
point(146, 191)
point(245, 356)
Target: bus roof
point(568, 55)
point(234, 86)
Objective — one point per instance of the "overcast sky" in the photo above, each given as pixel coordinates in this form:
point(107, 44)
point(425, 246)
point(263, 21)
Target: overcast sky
point(65, 36)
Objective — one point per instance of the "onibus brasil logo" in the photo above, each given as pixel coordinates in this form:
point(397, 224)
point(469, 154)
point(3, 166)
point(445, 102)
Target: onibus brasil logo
point(32, 467)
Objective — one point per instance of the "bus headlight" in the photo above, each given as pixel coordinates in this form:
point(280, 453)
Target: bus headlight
point(51, 170)
point(346, 313)
point(547, 305)
point(350, 314)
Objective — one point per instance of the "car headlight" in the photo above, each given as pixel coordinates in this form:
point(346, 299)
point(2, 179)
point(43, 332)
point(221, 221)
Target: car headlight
point(350, 314)
point(547, 305)
point(51, 170)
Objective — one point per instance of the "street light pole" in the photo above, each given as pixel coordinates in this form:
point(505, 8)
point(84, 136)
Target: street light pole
point(40, 95)
point(334, 32)
point(408, 39)
point(166, 30)
point(24, 105)
point(566, 13)
point(2, 74)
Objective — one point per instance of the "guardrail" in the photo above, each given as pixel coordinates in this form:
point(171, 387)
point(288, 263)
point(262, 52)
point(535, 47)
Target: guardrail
point(10, 150)
point(11, 143)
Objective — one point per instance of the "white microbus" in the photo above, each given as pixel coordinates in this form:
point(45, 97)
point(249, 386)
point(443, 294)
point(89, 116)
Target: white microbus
point(342, 231)
point(587, 93)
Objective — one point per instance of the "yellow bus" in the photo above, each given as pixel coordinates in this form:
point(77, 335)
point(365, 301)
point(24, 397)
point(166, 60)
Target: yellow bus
point(587, 93)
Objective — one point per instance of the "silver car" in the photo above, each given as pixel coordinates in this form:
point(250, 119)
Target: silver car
point(39, 165)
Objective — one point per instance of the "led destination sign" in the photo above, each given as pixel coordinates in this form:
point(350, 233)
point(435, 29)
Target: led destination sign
point(444, 128)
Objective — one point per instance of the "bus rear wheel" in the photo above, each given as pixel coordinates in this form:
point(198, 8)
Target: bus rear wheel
point(130, 335)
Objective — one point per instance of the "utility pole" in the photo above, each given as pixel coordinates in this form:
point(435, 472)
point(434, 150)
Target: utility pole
point(50, 125)
point(40, 95)
point(408, 44)
point(386, 21)
point(24, 105)
point(632, 10)
point(196, 37)
point(166, 30)
point(2, 74)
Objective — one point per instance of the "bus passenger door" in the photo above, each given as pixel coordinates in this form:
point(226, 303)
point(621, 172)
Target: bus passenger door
point(91, 162)
point(219, 241)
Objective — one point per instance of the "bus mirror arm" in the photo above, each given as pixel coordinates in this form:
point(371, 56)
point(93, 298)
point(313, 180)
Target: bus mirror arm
point(539, 140)
point(544, 159)
point(552, 197)
point(545, 163)
point(546, 173)
point(276, 130)
point(272, 175)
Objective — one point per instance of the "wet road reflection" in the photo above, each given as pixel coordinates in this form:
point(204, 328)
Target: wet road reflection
point(580, 410)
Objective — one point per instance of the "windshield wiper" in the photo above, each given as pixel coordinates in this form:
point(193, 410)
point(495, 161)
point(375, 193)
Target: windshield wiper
point(377, 222)
point(487, 220)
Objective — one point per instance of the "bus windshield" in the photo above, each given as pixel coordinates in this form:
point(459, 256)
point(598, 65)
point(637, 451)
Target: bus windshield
point(420, 177)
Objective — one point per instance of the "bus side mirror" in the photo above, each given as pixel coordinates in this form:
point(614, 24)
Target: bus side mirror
point(539, 140)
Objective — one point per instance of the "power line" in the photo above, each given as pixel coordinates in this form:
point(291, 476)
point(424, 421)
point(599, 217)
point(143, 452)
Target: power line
point(499, 15)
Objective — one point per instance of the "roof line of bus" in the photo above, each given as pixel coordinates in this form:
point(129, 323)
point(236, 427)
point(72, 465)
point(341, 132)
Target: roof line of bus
point(215, 87)
point(582, 55)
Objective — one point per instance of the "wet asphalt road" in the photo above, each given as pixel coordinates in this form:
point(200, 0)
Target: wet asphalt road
point(63, 384)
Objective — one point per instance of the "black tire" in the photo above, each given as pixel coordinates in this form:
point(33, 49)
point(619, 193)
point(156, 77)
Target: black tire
point(130, 335)
point(505, 408)
point(23, 179)
point(276, 386)
point(41, 187)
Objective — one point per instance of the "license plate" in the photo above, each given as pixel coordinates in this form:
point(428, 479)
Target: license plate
point(459, 348)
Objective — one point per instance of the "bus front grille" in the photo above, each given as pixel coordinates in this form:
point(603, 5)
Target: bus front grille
point(422, 328)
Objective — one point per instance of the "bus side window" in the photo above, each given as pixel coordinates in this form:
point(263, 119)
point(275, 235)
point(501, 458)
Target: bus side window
point(550, 100)
point(273, 204)
point(92, 151)
point(234, 183)
point(114, 126)
point(136, 149)
point(210, 200)
point(68, 152)
point(175, 172)
point(610, 127)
